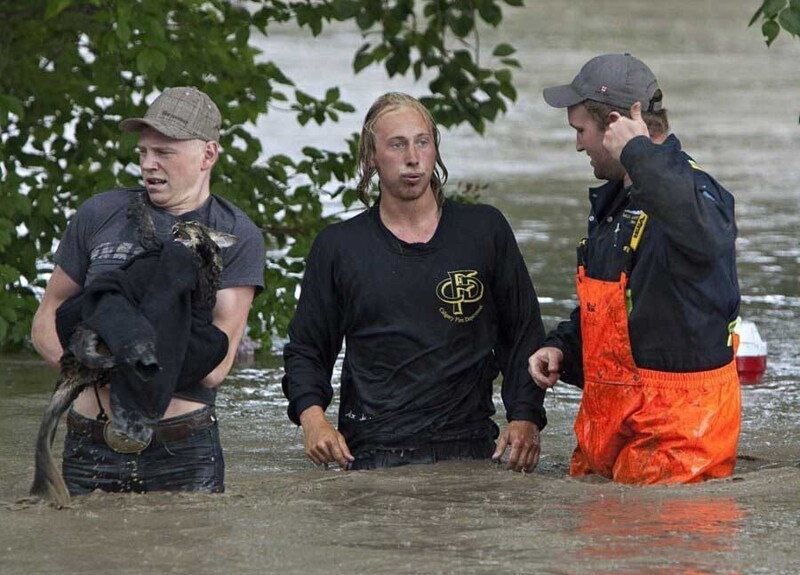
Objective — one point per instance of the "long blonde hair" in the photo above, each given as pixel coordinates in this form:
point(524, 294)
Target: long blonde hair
point(366, 150)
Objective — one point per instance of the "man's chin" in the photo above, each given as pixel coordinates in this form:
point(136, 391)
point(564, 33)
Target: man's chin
point(157, 194)
point(605, 176)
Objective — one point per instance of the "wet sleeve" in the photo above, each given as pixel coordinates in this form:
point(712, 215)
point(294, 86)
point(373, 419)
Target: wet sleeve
point(315, 337)
point(567, 337)
point(695, 212)
point(520, 330)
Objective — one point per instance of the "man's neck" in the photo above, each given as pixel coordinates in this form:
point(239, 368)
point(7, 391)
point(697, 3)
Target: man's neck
point(415, 221)
point(185, 204)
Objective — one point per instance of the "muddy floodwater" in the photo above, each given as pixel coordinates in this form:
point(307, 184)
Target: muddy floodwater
point(735, 105)
point(280, 514)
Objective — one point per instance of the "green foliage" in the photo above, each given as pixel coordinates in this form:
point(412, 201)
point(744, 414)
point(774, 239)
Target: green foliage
point(443, 40)
point(777, 14)
point(71, 69)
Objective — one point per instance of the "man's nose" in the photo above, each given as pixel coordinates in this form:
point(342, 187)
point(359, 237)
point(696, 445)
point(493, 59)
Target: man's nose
point(147, 161)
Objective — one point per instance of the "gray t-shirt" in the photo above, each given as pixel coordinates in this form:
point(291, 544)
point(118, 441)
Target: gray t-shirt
point(100, 237)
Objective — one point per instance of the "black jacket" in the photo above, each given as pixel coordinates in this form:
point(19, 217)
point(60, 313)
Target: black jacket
point(684, 286)
point(146, 305)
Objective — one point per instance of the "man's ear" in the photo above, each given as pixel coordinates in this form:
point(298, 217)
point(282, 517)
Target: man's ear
point(210, 154)
point(612, 117)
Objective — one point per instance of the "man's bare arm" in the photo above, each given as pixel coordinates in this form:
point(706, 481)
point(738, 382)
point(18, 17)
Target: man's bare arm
point(230, 315)
point(60, 287)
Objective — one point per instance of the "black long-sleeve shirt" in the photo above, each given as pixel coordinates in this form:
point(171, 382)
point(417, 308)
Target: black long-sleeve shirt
point(427, 329)
point(683, 283)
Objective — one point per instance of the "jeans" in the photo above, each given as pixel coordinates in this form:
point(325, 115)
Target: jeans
point(193, 463)
point(430, 453)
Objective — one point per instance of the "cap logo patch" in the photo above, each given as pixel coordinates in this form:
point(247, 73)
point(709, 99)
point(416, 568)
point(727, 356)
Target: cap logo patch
point(169, 116)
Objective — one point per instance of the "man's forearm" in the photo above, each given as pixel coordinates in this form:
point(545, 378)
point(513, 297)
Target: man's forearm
point(45, 339)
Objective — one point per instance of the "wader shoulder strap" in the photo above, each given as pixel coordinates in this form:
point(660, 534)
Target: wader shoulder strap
point(638, 230)
point(630, 249)
point(636, 237)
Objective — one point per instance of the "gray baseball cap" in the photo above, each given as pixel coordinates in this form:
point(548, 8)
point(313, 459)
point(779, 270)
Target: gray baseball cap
point(616, 79)
point(183, 113)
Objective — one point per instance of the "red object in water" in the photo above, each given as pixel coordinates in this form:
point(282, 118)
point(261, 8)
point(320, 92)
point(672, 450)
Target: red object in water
point(751, 368)
point(751, 360)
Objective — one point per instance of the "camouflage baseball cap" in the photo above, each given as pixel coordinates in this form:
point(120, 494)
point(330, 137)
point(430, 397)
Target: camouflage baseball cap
point(183, 113)
point(616, 79)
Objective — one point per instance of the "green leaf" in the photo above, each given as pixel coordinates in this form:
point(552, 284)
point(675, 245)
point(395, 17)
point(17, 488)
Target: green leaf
point(55, 7)
point(503, 76)
point(123, 19)
point(123, 32)
point(344, 107)
point(332, 94)
point(502, 50)
point(303, 98)
point(757, 15)
point(490, 12)
point(365, 19)
point(151, 62)
point(772, 7)
point(508, 90)
point(789, 19)
point(770, 29)
point(275, 73)
point(349, 197)
point(462, 25)
point(11, 104)
point(362, 59)
point(398, 62)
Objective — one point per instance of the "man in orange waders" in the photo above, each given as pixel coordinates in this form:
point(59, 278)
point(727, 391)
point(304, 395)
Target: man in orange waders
point(651, 342)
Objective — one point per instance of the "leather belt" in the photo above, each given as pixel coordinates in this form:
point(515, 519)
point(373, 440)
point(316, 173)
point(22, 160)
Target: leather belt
point(172, 429)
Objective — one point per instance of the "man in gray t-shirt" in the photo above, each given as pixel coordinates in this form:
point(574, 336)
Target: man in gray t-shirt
point(178, 147)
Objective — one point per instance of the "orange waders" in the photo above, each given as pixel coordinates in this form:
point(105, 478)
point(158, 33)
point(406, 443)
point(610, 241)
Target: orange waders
point(644, 426)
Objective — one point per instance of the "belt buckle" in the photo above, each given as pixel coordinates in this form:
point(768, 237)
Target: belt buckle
point(121, 443)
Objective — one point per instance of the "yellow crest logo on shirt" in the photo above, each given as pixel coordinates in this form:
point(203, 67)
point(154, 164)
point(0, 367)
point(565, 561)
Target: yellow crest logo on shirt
point(461, 287)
